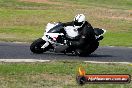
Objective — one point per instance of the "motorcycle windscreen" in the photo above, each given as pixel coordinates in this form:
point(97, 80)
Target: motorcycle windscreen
point(56, 29)
point(99, 31)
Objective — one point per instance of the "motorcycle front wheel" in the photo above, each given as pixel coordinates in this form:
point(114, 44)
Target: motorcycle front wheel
point(36, 46)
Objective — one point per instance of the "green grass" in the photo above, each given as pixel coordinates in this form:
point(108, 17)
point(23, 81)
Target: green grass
point(25, 21)
point(59, 74)
point(117, 39)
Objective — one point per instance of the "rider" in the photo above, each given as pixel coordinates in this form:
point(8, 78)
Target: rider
point(85, 31)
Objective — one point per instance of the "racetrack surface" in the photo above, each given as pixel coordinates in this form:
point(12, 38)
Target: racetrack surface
point(104, 54)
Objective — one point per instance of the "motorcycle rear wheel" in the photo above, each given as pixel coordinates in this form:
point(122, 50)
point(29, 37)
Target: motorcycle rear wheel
point(85, 52)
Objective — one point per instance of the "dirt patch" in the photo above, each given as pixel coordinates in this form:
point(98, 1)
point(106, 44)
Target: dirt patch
point(111, 13)
point(116, 17)
point(58, 79)
point(125, 18)
point(40, 1)
point(129, 11)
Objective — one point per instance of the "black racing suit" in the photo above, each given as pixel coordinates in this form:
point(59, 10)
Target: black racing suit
point(85, 37)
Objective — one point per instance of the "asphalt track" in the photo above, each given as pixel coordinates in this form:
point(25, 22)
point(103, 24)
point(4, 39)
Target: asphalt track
point(104, 54)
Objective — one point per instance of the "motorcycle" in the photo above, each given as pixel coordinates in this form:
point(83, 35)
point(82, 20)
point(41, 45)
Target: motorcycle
point(55, 40)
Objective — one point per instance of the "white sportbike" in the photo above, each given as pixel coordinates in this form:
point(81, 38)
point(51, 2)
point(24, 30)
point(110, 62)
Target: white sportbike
point(56, 38)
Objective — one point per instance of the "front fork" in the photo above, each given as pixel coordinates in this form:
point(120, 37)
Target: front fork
point(46, 40)
point(45, 45)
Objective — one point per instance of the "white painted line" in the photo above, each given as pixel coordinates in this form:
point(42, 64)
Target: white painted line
point(117, 46)
point(23, 60)
point(129, 47)
point(20, 42)
point(111, 46)
point(98, 62)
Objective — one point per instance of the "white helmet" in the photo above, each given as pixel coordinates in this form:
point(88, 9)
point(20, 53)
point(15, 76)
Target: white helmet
point(79, 20)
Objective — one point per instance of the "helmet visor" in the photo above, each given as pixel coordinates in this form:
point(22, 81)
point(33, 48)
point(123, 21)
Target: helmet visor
point(78, 23)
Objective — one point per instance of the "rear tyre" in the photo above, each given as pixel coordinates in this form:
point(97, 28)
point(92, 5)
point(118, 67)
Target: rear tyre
point(93, 47)
point(36, 46)
point(88, 50)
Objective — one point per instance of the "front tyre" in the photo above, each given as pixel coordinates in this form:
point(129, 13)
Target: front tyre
point(36, 46)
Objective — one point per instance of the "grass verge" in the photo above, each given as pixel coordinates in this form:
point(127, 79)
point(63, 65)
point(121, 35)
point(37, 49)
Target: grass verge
point(60, 74)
